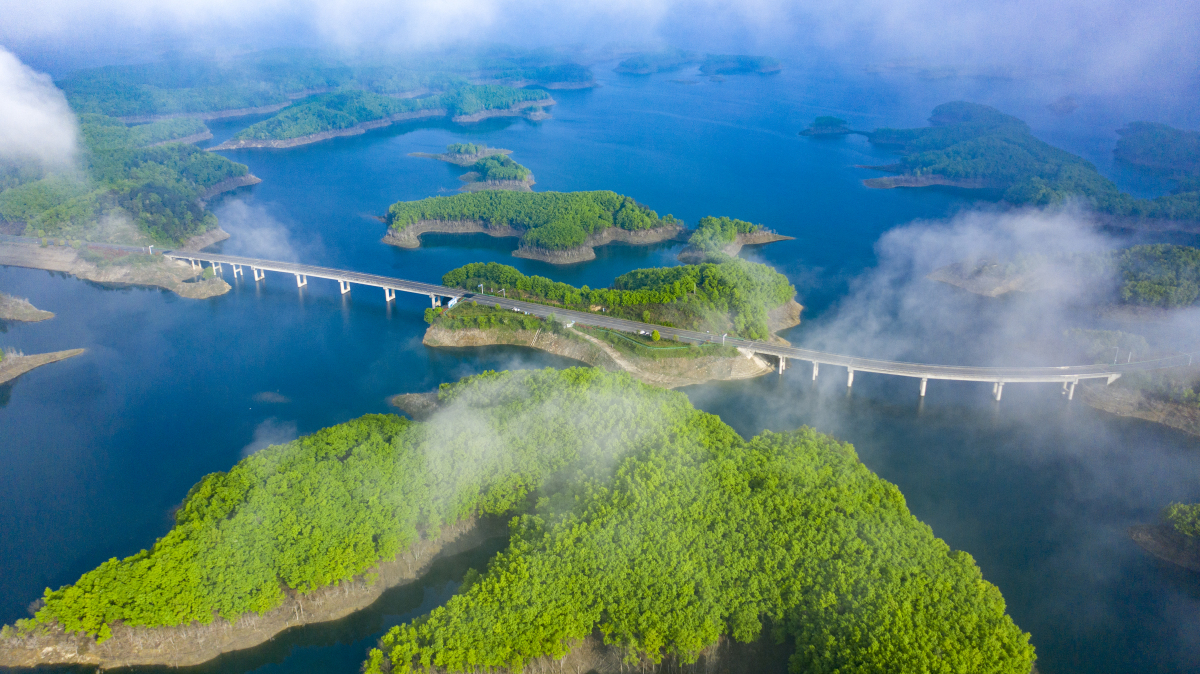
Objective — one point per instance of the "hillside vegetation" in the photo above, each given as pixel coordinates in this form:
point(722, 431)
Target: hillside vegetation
point(156, 189)
point(1160, 149)
point(968, 141)
point(550, 220)
point(714, 233)
point(786, 529)
point(732, 296)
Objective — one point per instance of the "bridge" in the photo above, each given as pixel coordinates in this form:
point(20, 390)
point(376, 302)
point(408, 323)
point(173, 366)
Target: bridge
point(1069, 376)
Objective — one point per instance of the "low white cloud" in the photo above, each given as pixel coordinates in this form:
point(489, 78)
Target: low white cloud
point(271, 432)
point(35, 122)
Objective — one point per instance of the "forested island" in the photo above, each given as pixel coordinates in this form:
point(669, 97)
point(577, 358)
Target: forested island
point(710, 64)
point(785, 534)
point(556, 227)
point(490, 168)
point(353, 112)
point(975, 146)
point(1160, 149)
point(716, 236)
point(139, 186)
point(827, 126)
point(1176, 539)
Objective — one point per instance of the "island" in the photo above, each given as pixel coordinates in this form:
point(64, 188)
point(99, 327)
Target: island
point(716, 236)
point(586, 466)
point(827, 126)
point(19, 309)
point(13, 363)
point(351, 113)
point(713, 65)
point(491, 168)
point(1159, 149)
point(555, 227)
point(1177, 539)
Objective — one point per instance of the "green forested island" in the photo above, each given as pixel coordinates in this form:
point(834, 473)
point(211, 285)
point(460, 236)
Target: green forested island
point(827, 125)
point(1160, 149)
point(547, 220)
point(158, 188)
point(714, 233)
point(732, 296)
point(978, 146)
point(710, 64)
point(786, 533)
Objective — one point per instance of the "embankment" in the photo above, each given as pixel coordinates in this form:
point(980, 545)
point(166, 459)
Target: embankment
point(189, 645)
point(356, 130)
point(14, 365)
point(159, 272)
point(693, 255)
point(14, 309)
point(202, 241)
point(1126, 402)
point(665, 372)
point(409, 237)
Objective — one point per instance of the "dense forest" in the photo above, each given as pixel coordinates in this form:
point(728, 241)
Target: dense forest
point(711, 64)
point(713, 233)
point(156, 188)
point(1184, 518)
point(181, 85)
point(551, 220)
point(734, 295)
point(500, 167)
point(788, 530)
point(968, 141)
point(1159, 275)
point(1160, 149)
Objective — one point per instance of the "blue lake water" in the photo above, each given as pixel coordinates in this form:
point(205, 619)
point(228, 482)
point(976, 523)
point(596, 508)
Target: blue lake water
point(96, 451)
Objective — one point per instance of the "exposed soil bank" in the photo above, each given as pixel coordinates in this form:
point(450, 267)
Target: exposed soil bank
point(989, 281)
point(202, 241)
point(194, 138)
point(160, 273)
point(409, 237)
point(925, 181)
point(14, 309)
point(356, 130)
point(1164, 542)
point(15, 366)
point(691, 255)
point(230, 184)
point(194, 644)
point(1126, 402)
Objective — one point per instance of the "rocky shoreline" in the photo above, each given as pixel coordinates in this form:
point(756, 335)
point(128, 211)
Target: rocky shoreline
point(409, 237)
point(356, 130)
point(202, 241)
point(189, 645)
point(1162, 541)
point(462, 159)
point(15, 365)
point(1125, 402)
point(928, 180)
point(691, 255)
point(510, 185)
point(177, 277)
point(521, 109)
point(230, 184)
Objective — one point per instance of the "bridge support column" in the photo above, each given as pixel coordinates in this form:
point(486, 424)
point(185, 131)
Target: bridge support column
point(782, 364)
point(1071, 391)
point(344, 286)
point(193, 264)
point(237, 271)
point(435, 301)
point(816, 368)
point(999, 388)
point(216, 267)
point(388, 294)
point(924, 381)
point(258, 273)
point(849, 377)
point(301, 280)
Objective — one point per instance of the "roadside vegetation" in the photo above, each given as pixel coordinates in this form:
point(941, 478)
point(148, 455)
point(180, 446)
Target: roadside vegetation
point(732, 296)
point(550, 220)
point(784, 530)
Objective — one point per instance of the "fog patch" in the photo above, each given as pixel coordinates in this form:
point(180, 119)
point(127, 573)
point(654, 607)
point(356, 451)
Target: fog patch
point(36, 124)
point(271, 432)
point(271, 397)
point(254, 232)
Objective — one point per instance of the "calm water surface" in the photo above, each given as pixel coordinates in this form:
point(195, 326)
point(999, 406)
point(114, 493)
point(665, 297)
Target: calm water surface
point(96, 451)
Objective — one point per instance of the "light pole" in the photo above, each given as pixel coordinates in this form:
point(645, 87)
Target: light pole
point(723, 339)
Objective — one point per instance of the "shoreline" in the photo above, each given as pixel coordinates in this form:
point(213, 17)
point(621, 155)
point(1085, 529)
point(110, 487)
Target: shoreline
point(1163, 542)
point(230, 184)
point(409, 237)
point(161, 273)
point(1124, 402)
point(690, 255)
point(930, 180)
point(15, 309)
point(201, 241)
point(197, 643)
point(205, 116)
point(510, 185)
point(356, 130)
point(462, 159)
point(15, 366)
point(514, 110)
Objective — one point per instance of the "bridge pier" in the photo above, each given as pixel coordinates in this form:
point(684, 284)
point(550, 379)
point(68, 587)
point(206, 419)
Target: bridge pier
point(782, 364)
point(998, 389)
point(258, 273)
point(816, 368)
point(193, 264)
point(237, 271)
point(1071, 390)
point(435, 301)
point(924, 381)
point(216, 267)
point(344, 286)
point(388, 294)
point(849, 377)
point(301, 280)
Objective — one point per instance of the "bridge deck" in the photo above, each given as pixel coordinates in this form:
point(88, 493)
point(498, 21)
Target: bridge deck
point(1070, 373)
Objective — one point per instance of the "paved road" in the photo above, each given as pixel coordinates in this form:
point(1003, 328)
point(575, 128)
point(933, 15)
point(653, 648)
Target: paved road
point(1067, 374)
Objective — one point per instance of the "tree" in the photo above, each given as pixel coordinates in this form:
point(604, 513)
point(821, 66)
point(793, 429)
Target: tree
point(654, 336)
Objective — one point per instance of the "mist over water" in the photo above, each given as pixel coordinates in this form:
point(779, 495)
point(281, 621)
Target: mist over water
point(97, 450)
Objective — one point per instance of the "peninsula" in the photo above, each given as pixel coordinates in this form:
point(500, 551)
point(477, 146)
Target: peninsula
point(16, 309)
point(1177, 539)
point(540, 448)
point(555, 227)
point(13, 364)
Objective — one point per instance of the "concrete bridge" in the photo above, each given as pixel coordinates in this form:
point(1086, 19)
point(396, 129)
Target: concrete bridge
point(1069, 376)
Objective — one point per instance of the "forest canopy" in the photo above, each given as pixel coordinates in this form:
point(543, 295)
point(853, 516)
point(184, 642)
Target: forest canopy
point(714, 233)
point(1160, 149)
point(550, 220)
point(734, 295)
point(786, 528)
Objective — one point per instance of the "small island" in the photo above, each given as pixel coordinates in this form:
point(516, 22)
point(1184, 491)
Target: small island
point(555, 227)
point(713, 65)
point(354, 112)
point(582, 467)
point(491, 168)
point(1176, 540)
point(716, 236)
point(827, 126)
point(18, 309)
